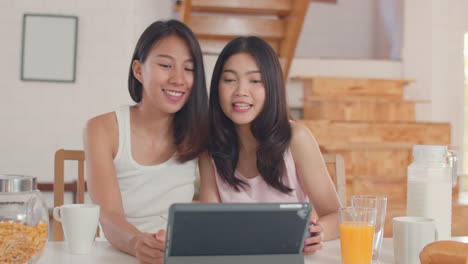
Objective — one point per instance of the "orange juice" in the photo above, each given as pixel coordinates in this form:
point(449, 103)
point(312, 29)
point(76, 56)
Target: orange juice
point(356, 242)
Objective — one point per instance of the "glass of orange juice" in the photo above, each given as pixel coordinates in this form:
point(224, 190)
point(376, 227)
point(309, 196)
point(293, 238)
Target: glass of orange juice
point(357, 226)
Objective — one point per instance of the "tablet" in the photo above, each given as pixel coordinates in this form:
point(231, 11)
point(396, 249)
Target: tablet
point(260, 232)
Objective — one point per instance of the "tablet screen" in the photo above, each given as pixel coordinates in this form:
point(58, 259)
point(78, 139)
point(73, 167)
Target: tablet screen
point(237, 229)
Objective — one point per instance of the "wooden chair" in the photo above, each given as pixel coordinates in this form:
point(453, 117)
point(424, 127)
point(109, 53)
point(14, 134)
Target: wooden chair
point(336, 169)
point(61, 156)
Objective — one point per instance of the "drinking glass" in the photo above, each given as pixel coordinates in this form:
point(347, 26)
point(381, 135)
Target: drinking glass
point(379, 203)
point(357, 227)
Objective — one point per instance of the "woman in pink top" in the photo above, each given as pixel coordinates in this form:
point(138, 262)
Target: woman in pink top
point(256, 154)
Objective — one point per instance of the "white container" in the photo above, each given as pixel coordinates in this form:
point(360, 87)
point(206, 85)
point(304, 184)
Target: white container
point(431, 177)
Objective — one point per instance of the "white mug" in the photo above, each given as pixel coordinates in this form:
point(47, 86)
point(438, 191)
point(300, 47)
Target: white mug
point(79, 223)
point(410, 236)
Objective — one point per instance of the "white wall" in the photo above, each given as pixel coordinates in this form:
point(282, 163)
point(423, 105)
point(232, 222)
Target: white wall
point(342, 30)
point(433, 57)
point(357, 29)
point(37, 118)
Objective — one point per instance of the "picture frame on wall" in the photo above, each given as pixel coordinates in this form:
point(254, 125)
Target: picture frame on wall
point(49, 48)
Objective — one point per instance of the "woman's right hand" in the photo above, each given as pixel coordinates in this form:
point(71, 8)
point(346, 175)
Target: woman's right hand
point(314, 242)
point(149, 248)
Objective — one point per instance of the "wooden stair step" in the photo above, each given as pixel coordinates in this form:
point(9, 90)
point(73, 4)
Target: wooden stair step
point(382, 163)
point(459, 223)
point(360, 99)
point(363, 146)
point(395, 190)
point(215, 46)
point(262, 7)
point(359, 109)
point(328, 133)
point(268, 7)
point(344, 87)
point(278, 21)
point(214, 27)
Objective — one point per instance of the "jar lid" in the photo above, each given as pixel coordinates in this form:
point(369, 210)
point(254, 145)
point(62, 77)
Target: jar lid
point(17, 183)
point(429, 152)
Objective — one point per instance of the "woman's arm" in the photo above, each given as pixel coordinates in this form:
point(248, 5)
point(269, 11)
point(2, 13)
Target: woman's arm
point(316, 182)
point(208, 188)
point(100, 145)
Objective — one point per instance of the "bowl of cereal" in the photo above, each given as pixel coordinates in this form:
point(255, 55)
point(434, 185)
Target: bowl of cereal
point(24, 220)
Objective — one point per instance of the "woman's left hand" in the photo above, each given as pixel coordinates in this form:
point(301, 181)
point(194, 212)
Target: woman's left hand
point(313, 243)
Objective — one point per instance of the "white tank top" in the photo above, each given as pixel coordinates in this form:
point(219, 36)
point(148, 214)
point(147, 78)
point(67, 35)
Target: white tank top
point(148, 191)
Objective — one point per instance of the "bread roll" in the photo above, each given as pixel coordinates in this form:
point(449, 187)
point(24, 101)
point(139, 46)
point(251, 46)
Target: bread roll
point(444, 252)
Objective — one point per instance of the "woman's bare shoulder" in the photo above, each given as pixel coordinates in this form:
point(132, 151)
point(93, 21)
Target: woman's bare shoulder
point(300, 133)
point(102, 130)
point(102, 123)
point(303, 142)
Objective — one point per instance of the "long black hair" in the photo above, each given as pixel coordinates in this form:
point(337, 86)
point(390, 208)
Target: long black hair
point(271, 128)
point(190, 122)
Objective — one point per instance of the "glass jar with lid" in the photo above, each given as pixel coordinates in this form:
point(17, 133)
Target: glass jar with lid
point(24, 220)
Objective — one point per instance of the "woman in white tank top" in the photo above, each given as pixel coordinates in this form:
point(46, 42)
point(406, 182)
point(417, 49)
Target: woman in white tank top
point(142, 158)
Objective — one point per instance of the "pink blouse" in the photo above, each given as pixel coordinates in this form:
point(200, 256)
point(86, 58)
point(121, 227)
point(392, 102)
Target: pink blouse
point(258, 191)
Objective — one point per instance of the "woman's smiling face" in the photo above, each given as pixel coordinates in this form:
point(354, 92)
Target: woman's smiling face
point(241, 89)
point(166, 75)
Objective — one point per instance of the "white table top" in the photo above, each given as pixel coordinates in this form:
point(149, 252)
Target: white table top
point(330, 253)
point(103, 252)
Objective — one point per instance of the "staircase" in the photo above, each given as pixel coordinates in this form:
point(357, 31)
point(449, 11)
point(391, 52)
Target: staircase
point(369, 123)
point(216, 22)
